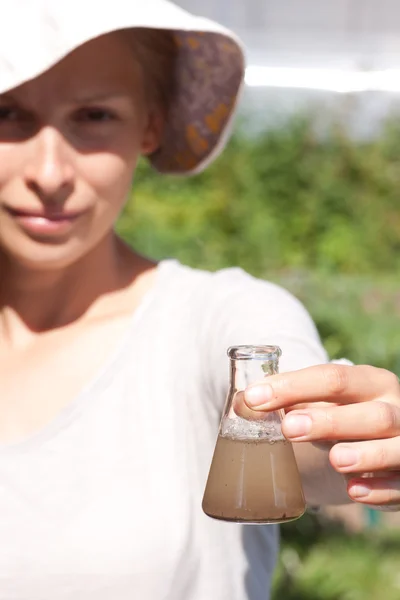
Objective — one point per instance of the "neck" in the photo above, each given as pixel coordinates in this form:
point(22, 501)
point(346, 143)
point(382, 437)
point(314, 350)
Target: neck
point(43, 300)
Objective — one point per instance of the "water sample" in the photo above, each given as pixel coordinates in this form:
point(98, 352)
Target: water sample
point(253, 476)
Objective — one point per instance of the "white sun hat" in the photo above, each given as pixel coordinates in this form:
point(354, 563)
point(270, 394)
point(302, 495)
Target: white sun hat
point(36, 34)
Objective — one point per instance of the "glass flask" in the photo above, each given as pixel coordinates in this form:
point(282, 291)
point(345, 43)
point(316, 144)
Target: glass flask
point(253, 476)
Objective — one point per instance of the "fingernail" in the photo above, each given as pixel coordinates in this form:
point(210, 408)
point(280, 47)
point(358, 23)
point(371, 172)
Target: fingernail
point(360, 491)
point(258, 395)
point(345, 456)
point(297, 426)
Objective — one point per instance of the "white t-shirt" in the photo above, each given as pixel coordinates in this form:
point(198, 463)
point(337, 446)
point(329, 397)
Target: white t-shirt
point(105, 502)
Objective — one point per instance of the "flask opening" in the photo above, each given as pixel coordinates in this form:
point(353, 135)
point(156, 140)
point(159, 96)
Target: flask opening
point(254, 352)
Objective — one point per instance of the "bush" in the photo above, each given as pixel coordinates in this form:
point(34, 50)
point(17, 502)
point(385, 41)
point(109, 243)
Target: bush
point(319, 214)
point(286, 199)
point(319, 561)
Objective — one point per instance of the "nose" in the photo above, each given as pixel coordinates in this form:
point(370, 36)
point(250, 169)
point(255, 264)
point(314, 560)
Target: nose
point(49, 172)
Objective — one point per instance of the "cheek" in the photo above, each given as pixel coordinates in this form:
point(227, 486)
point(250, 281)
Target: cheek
point(109, 176)
point(11, 163)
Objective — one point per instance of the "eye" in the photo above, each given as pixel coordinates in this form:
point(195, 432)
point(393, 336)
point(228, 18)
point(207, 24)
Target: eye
point(95, 115)
point(8, 113)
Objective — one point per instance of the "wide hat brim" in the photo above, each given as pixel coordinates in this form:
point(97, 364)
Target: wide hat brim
point(36, 34)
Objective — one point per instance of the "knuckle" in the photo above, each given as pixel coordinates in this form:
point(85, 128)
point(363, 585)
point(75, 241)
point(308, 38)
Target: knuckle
point(387, 418)
point(392, 381)
point(336, 378)
point(387, 380)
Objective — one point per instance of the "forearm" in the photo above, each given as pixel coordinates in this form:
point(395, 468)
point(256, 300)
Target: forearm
point(321, 483)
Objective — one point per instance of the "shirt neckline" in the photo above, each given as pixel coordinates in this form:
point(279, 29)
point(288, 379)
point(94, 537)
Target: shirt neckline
point(100, 380)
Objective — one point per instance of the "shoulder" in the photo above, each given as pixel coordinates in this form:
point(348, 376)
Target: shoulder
point(233, 300)
point(232, 288)
point(226, 282)
point(236, 281)
point(231, 307)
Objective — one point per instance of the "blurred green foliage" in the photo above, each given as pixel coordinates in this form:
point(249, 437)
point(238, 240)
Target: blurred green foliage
point(319, 214)
point(320, 561)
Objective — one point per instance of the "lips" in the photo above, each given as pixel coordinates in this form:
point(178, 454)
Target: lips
point(48, 215)
point(46, 222)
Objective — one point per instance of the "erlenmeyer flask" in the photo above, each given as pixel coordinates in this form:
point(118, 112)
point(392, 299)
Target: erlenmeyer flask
point(253, 476)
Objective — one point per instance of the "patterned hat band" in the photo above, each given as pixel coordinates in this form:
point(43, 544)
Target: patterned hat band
point(209, 77)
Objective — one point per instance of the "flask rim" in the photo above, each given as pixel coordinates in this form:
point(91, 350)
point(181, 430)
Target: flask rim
point(249, 352)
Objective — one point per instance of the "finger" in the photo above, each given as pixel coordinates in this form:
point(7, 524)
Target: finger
point(241, 409)
point(372, 420)
point(377, 492)
point(359, 457)
point(328, 383)
point(305, 406)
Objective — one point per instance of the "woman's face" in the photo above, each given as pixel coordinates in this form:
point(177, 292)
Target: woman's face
point(69, 143)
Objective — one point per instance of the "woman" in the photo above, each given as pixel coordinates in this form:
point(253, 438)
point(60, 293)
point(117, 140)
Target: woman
point(112, 370)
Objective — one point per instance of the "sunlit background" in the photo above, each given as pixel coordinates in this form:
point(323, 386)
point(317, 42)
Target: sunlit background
point(306, 52)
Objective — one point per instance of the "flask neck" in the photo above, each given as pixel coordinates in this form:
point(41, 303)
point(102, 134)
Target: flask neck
point(246, 372)
point(249, 365)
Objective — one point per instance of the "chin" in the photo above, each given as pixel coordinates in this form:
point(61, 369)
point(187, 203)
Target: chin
point(45, 257)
